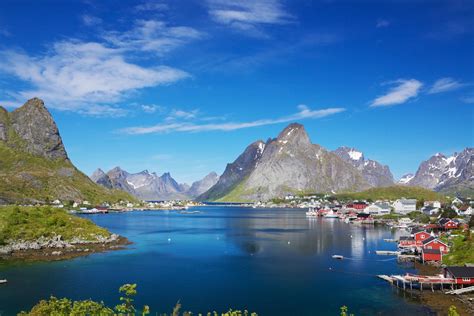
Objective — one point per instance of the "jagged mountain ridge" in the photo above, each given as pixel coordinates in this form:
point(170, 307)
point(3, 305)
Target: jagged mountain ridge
point(376, 174)
point(287, 164)
point(149, 186)
point(34, 165)
point(453, 174)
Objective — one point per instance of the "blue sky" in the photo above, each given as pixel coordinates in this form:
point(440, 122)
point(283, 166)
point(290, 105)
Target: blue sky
point(185, 86)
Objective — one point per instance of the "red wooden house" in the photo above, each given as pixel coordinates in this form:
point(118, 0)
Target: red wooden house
point(447, 223)
point(431, 255)
point(359, 205)
point(406, 242)
point(462, 275)
point(420, 236)
point(434, 243)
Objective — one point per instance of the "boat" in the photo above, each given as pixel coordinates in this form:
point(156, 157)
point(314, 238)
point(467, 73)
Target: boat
point(339, 257)
point(3, 281)
point(311, 212)
point(331, 214)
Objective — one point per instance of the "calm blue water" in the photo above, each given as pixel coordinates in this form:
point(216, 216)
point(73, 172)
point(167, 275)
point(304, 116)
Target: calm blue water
point(272, 261)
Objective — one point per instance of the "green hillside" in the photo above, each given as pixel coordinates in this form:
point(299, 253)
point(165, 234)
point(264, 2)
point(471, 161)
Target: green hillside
point(27, 178)
point(393, 193)
point(30, 223)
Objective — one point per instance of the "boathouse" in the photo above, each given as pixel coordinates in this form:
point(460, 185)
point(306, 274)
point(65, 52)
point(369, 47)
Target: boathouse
point(462, 275)
point(433, 255)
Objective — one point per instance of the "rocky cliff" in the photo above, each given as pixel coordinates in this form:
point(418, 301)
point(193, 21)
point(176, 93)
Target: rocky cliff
point(34, 165)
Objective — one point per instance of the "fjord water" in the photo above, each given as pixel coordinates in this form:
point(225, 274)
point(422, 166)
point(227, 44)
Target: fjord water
point(272, 261)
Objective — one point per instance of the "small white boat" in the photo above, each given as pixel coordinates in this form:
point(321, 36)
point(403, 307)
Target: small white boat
point(331, 214)
point(3, 281)
point(339, 257)
point(311, 212)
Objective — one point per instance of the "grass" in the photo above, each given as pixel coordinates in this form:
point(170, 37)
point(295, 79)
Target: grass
point(30, 223)
point(393, 193)
point(461, 249)
point(27, 178)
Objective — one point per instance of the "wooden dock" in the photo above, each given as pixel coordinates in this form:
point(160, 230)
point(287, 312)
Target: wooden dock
point(461, 291)
point(387, 252)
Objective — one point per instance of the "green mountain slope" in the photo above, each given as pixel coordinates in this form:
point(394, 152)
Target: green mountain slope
point(393, 193)
point(34, 166)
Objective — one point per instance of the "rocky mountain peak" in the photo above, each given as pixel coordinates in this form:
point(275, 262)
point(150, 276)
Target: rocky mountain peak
point(33, 123)
point(97, 174)
point(374, 172)
point(294, 134)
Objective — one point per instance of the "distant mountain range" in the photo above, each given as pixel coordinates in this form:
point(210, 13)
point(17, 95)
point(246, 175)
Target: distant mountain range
point(151, 187)
point(451, 175)
point(291, 164)
point(34, 165)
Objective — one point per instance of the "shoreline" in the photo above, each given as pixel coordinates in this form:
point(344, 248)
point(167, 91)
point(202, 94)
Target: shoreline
point(66, 251)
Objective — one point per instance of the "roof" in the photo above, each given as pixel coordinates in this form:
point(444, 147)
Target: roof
point(407, 201)
point(421, 231)
point(431, 251)
point(443, 221)
point(427, 240)
point(461, 272)
point(383, 205)
point(406, 238)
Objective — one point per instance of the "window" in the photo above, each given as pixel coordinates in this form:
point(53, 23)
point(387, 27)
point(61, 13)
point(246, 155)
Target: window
point(466, 279)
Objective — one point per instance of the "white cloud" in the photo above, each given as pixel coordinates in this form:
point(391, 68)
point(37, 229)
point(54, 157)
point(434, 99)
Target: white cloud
point(165, 127)
point(444, 85)
point(382, 23)
point(151, 108)
point(90, 20)
point(401, 93)
point(248, 16)
point(89, 77)
point(183, 115)
point(153, 36)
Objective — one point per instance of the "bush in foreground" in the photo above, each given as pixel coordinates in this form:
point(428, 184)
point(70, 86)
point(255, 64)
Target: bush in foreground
point(64, 306)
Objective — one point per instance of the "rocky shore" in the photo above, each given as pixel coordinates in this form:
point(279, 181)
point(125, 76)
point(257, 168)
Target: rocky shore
point(56, 248)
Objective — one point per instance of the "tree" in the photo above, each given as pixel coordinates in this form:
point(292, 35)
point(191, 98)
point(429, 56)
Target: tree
point(449, 213)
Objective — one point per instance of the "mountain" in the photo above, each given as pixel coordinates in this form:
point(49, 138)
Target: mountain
point(151, 187)
point(406, 178)
point(453, 174)
point(458, 179)
point(235, 172)
point(376, 174)
point(201, 186)
point(287, 164)
point(34, 165)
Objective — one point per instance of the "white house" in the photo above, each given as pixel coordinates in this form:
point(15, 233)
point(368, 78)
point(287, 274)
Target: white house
point(435, 204)
point(457, 201)
point(404, 206)
point(378, 209)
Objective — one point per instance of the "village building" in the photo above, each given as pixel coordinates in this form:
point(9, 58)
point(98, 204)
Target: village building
point(430, 210)
point(435, 243)
point(404, 206)
point(435, 204)
point(431, 255)
point(378, 209)
point(447, 223)
point(462, 275)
